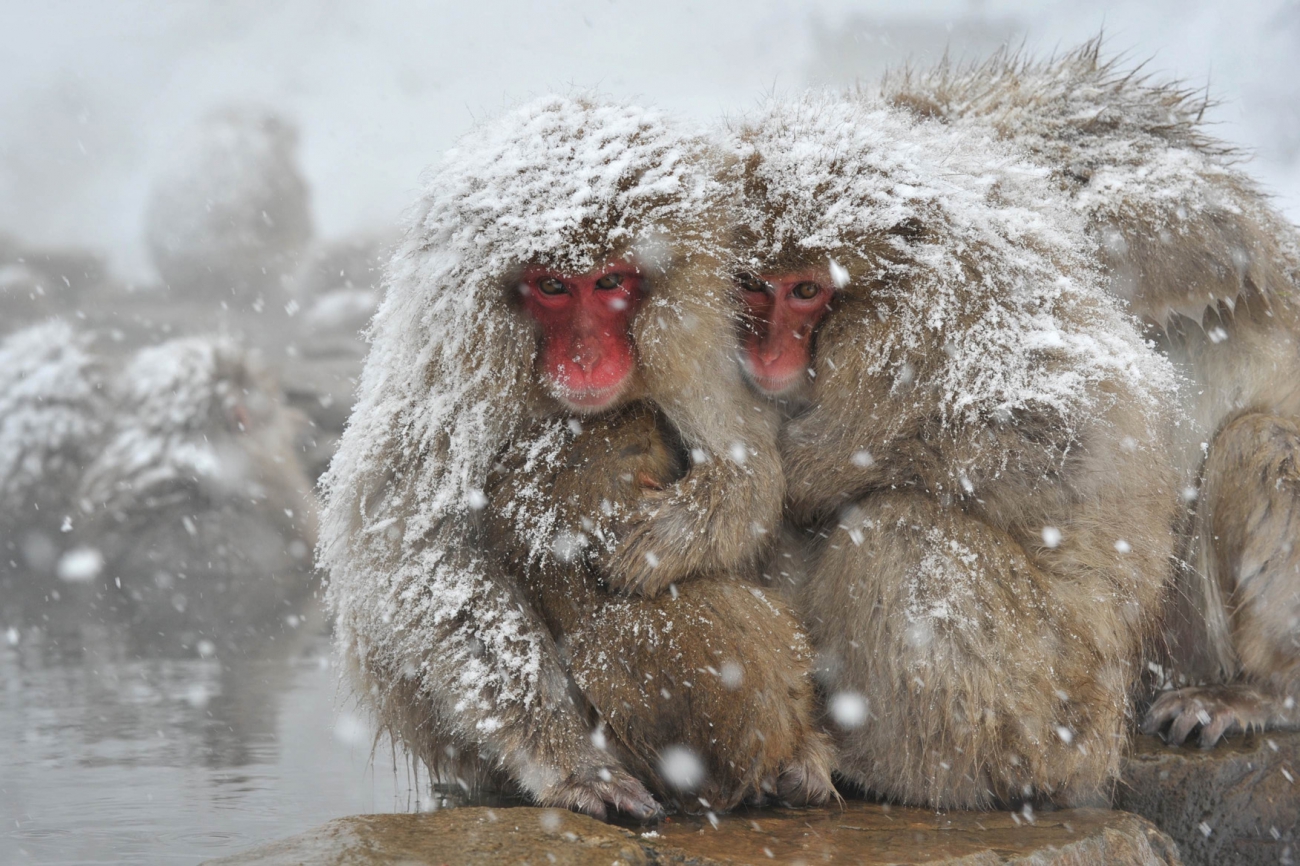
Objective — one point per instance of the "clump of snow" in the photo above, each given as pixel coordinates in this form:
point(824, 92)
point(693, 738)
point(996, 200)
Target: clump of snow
point(231, 212)
point(564, 182)
point(681, 768)
point(80, 565)
point(52, 412)
point(988, 278)
point(849, 710)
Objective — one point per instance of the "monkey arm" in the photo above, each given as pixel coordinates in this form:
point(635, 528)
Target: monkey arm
point(463, 671)
point(829, 462)
point(723, 514)
point(1246, 585)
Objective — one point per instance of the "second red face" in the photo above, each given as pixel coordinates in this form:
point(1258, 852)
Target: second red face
point(587, 352)
point(783, 311)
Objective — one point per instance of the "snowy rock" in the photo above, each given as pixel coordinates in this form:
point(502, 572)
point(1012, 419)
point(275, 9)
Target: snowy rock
point(1235, 803)
point(859, 833)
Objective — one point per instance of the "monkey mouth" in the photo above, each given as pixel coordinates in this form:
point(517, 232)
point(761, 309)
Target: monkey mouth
point(775, 384)
point(592, 398)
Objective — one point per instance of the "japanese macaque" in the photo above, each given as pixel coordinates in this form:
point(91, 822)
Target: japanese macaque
point(1201, 256)
point(718, 667)
point(974, 447)
point(195, 515)
point(52, 418)
point(563, 260)
point(229, 216)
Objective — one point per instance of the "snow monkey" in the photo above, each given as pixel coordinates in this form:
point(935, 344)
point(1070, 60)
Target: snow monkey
point(973, 440)
point(1197, 251)
point(52, 418)
point(199, 517)
point(717, 667)
point(561, 261)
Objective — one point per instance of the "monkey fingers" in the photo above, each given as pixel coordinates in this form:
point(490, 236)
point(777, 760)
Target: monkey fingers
point(719, 520)
point(806, 781)
point(1216, 710)
point(591, 791)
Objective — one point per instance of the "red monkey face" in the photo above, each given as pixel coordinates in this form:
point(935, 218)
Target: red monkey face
point(783, 311)
point(587, 354)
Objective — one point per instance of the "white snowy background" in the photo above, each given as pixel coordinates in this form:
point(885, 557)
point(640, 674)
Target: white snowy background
point(94, 94)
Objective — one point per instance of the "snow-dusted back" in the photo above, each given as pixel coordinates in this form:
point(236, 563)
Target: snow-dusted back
point(1138, 164)
point(559, 181)
point(51, 414)
point(172, 400)
point(925, 209)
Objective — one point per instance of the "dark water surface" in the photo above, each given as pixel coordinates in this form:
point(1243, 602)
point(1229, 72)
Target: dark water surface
point(116, 751)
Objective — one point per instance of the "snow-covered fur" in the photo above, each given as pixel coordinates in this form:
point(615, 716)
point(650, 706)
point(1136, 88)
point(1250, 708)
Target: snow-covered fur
point(1191, 242)
point(1180, 228)
point(52, 411)
point(982, 455)
point(652, 668)
point(195, 501)
point(230, 213)
point(441, 644)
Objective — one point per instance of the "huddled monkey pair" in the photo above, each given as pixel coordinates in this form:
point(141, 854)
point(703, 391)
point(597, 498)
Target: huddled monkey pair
point(162, 488)
point(644, 404)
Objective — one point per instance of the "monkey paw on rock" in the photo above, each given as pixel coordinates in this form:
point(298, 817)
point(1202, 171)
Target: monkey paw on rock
point(1216, 710)
point(592, 791)
point(806, 781)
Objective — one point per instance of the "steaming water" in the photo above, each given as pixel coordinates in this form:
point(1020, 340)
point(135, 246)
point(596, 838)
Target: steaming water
point(114, 754)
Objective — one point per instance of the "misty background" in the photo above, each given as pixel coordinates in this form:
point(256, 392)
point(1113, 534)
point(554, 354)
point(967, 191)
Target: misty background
point(94, 96)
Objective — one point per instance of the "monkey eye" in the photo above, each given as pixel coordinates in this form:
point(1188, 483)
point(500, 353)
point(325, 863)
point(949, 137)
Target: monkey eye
point(751, 283)
point(806, 291)
point(610, 281)
point(550, 286)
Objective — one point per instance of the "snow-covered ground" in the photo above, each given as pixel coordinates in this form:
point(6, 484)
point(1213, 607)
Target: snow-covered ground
point(94, 97)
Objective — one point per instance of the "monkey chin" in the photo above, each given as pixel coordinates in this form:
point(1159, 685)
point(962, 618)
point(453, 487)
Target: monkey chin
point(591, 400)
point(795, 385)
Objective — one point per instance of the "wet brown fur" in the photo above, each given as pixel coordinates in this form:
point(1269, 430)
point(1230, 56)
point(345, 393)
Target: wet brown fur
point(1214, 273)
point(1020, 690)
point(659, 672)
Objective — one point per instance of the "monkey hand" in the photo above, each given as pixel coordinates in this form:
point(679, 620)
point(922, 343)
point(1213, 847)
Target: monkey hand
point(593, 790)
point(647, 560)
point(721, 516)
point(1216, 710)
point(806, 780)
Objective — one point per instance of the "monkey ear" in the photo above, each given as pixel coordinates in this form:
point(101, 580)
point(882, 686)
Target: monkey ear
point(909, 229)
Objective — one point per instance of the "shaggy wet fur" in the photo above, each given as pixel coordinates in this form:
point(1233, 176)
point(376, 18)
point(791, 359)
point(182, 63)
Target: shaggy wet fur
point(717, 666)
point(985, 582)
point(1191, 242)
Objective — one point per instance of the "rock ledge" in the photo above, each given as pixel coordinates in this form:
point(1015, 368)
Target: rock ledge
point(859, 833)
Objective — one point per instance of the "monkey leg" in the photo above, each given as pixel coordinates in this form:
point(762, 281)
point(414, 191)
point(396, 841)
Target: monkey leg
point(450, 686)
point(959, 674)
point(1248, 568)
point(722, 671)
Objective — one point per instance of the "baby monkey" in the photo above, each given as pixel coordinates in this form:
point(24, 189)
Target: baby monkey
point(706, 690)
